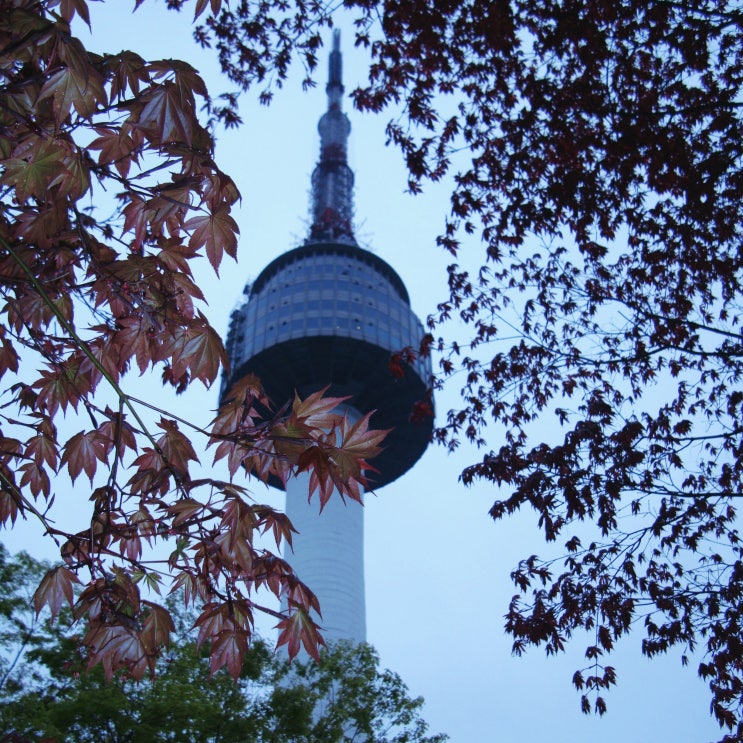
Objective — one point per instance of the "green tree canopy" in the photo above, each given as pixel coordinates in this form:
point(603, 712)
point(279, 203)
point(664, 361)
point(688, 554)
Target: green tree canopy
point(48, 695)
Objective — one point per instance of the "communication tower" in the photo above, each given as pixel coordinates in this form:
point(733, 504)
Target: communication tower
point(331, 312)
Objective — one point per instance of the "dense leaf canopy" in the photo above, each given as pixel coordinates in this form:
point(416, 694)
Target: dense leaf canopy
point(594, 155)
point(595, 150)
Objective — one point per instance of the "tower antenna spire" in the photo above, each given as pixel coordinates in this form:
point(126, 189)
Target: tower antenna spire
point(332, 179)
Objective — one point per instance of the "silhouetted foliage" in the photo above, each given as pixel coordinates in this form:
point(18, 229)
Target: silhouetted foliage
point(595, 149)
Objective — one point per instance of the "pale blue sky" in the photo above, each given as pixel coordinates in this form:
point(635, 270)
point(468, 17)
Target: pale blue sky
point(437, 567)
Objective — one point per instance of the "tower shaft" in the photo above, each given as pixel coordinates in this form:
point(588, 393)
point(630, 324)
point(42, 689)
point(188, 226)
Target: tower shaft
point(329, 556)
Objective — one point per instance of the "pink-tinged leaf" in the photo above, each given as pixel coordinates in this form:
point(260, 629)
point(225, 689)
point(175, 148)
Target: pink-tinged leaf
point(54, 590)
point(200, 351)
point(177, 258)
point(68, 8)
point(83, 451)
point(129, 71)
point(217, 231)
point(228, 649)
point(36, 478)
point(317, 411)
point(184, 510)
point(193, 586)
point(175, 447)
point(297, 630)
point(156, 628)
point(317, 461)
point(118, 646)
point(119, 432)
point(185, 76)
point(118, 147)
point(357, 445)
point(43, 450)
point(8, 507)
point(168, 115)
point(236, 552)
point(77, 86)
point(57, 389)
point(8, 357)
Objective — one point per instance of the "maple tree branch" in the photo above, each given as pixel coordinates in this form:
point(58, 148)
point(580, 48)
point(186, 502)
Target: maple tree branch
point(123, 397)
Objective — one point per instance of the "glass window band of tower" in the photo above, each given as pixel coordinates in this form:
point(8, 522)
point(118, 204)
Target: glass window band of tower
point(330, 252)
point(326, 292)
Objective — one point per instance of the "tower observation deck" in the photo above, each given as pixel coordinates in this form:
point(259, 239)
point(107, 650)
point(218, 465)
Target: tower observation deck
point(331, 313)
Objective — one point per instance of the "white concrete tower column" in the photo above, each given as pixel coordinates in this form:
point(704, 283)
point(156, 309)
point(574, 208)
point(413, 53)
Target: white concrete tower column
point(328, 556)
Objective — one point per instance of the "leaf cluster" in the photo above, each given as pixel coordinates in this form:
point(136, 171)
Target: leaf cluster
point(88, 299)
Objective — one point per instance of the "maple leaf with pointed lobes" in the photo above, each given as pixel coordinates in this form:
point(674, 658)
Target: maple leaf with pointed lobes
point(118, 146)
point(217, 232)
point(55, 257)
point(34, 165)
point(68, 8)
point(318, 411)
point(61, 387)
point(77, 86)
point(201, 6)
point(175, 448)
point(193, 586)
point(55, 589)
point(342, 466)
point(357, 445)
point(74, 180)
point(299, 629)
point(186, 78)
point(197, 349)
point(278, 523)
point(83, 451)
point(156, 628)
point(229, 620)
point(176, 257)
point(129, 70)
point(8, 357)
point(117, 646)
point(168, 114)
point(184, 510)
point(9, 506)
point(36, 478)
point(317, 461)
point(118, 431)
point(237, 413)
point(229, 648)
point(43, 449)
